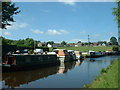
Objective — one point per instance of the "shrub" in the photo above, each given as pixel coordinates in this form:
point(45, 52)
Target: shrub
point(31, 51)
point(115, 48)
point(44, 49)
point(103, 70)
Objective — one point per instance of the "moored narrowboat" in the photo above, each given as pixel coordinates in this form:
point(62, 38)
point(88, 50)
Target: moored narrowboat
point(17, 61)
point(78, 55)
point(72, 55)
point(94, 55)
point(62, 55)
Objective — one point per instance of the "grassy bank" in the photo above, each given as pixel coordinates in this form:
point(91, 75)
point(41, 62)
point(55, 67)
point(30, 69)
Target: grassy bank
point(85, 49)
point(108, 79)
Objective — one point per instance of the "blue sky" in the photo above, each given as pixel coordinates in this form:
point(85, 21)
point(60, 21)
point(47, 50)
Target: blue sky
point(58, 21)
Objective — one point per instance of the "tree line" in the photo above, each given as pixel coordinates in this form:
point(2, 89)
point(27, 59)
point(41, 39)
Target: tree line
point(30, 42)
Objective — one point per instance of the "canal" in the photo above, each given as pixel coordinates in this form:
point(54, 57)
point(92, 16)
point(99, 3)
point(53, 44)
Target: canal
point(67, 75)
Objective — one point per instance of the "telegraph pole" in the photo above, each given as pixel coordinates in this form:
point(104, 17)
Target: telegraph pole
point(88, 40)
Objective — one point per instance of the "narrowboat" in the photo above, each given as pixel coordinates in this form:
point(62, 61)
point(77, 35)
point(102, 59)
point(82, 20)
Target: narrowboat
point(94, 55)
point(78, 55)
point(62, 54)
point(18, 61)
point(72, 55)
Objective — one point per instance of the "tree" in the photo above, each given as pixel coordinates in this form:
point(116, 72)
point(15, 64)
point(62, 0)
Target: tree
point(85, 43)
point(105, 42)
point(79, 41)
point(50, 42)
point(115, 48)
point(18, 42)
point(102, 42)
point(8, 11)
point(113, 41)
point(29, 42)
point(116, 12)
point(64, 43)
point(5, 41)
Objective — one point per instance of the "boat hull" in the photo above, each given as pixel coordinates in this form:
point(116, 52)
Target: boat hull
point(23, 62)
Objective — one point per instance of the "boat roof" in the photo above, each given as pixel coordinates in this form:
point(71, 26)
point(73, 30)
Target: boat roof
point(58, 49)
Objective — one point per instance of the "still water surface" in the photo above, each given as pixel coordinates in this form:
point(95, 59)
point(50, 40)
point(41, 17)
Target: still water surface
point(67, 75)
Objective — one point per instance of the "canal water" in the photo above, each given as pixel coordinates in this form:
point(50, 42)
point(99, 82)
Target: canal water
point(66, 75)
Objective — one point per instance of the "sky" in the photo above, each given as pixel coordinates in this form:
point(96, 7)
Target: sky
point(63, 21)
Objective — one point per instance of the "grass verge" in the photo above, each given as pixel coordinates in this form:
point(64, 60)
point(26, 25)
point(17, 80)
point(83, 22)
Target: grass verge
point(85, 49)
point(108, 79)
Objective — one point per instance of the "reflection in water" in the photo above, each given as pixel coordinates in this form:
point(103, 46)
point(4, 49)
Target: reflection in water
point(15, 79)
point(62, 76)
point(61, 68)
point(78, 63)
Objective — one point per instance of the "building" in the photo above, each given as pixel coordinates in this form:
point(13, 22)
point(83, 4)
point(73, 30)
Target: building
point(49, 45)
point(95, 44)
point(40, 44)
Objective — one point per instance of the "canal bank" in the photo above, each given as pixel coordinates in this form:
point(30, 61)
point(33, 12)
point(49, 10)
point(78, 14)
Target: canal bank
point(66, 75)
point(109, 77)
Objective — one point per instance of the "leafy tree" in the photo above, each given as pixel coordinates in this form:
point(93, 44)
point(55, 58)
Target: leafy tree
point(8, 11)
point(85, 43)
point(3, 41)
point(113, 41)
point(115, 48)
point(50, 42)
point(79, 41)
point(105, 42)
point(29, 42)
point(102, 42)
point(64, 43)
point(6, 41)
point(116, 12)
point(18, 42)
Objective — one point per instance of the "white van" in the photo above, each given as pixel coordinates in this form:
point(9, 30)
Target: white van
point(38, 51)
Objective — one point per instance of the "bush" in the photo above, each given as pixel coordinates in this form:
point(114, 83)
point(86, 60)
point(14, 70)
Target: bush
point(31, 51)
point(115, 48)
point(103, 70)
point(44, 49)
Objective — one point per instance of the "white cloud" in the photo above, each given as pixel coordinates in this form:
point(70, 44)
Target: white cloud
point(76, 40)
point(83, 32)
point(112, 33)
point(50, 32)
point(65, 1)
point(56, 32)
point(69, 2)
point(97, 35)
point(15, 26)
point(7, 33)
point(64, 32)
point(37, 31)
point(53, 32)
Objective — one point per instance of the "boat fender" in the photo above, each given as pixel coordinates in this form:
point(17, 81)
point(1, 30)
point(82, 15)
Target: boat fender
point(13, 60)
